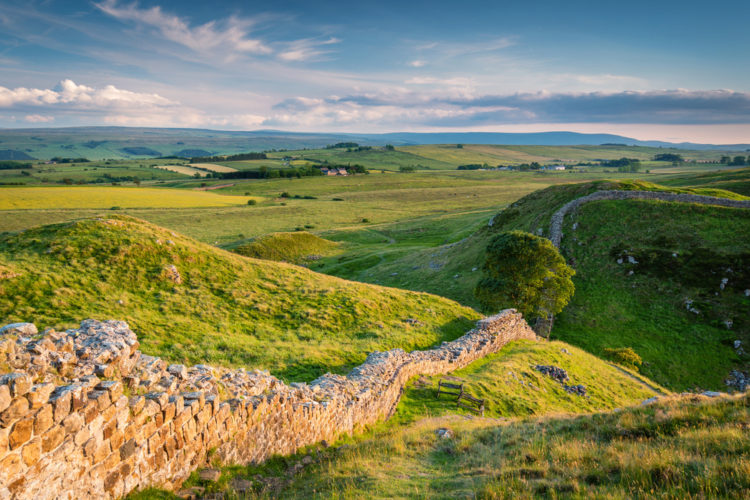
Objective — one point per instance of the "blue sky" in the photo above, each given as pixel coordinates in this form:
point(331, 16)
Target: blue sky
point(653, 70)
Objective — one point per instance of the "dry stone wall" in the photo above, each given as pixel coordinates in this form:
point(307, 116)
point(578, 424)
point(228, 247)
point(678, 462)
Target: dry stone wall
point(556, 234)
point(85, 414)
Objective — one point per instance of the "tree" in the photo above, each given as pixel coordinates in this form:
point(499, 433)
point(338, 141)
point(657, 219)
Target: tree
point(674, 158)
point(725, 160)
point(525, 272)
point(738, 161)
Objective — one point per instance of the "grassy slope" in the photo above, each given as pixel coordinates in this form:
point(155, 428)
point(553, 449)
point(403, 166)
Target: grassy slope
point(298, 247)
point(737, 180)
point(647, 310)
point(448, 269)
point(229, 309)
point(511, 387)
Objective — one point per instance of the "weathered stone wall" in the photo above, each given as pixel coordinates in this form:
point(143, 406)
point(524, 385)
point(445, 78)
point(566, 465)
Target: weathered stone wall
point(84, 414)
point(556, 234)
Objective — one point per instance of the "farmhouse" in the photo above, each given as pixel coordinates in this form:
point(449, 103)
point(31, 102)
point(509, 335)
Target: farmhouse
point(334, 171)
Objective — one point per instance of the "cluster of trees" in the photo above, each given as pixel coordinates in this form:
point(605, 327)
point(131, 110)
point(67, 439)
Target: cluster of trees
point(340, 145)
point(286, 173)
point(623, 164)
point(736, 161)
point(674, 158)
point(13, 165)
point(58, 159)
point(237, 157)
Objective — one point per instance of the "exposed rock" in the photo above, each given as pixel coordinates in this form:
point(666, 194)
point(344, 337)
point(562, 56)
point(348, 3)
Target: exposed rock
point(209, 474)
point(173, 274)
point(650, 400)
point(444, 433)
point(555, 372)
point(25, 329)
point(738, 380)
point(711, 394)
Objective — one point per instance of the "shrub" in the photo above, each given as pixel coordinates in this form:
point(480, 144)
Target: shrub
point(624, 356)
point(252, 202)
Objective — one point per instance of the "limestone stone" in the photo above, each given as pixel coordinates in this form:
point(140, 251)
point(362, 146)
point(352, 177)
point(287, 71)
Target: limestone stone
point(23, 329)
point(39, 394)
point(52, 438)
point(32, 451)
point(17, 409)
point(43, 419)
point(5, 397)
point(18, 383)
point(10, 465)
point(21, 432)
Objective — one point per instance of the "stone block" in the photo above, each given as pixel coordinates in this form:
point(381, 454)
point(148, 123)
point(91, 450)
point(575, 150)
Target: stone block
point(10, 466)
point(136, 404)
point(162, 398)
point(39, 394)
point(52, 438)
point(18, 383)
point(113, 387)
point(5, 397)
point(60, 401)
point(43, 419)
point(21, 432)
point(90, 411)
point(72, 423)
point(127, 449)
point(17, 409)
point(31, 452)
point(101, 397)
point(22, 329)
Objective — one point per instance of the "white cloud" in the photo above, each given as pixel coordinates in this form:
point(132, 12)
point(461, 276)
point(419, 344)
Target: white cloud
point(306, 49)
point(39, 118)
point(68, 94)
point(232, 34)
point(417, 63)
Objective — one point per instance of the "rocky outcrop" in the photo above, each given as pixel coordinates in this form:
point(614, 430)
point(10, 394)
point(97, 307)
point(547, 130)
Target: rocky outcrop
point(85, 414)
point(556, 224)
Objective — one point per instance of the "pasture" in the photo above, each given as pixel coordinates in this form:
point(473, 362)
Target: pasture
point(88, 197)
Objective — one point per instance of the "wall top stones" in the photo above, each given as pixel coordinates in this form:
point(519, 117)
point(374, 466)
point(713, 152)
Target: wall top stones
point(83, 413)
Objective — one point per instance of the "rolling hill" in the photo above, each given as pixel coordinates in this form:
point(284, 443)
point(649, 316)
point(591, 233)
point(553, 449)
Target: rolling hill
point(193, 303)
point(649, 309)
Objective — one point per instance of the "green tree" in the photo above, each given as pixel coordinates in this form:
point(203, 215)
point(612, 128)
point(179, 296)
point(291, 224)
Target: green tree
point(525, 272)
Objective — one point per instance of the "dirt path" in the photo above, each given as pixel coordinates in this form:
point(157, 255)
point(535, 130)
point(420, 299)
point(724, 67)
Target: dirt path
point(637, 379)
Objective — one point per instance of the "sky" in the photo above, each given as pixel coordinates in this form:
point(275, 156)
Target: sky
point(659, 69)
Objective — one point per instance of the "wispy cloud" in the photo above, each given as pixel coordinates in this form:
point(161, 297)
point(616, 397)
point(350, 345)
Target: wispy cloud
point(417, 63)
point(307, 49)
point(39, 118)
point(231, 34)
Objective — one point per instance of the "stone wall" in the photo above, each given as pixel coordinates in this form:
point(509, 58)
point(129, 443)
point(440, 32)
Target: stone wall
point(84, 414)
point(556, 234)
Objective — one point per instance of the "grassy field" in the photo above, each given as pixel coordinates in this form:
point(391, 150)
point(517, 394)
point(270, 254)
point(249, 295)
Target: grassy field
point(182, 169)
point(84, 197)
point(224, 309)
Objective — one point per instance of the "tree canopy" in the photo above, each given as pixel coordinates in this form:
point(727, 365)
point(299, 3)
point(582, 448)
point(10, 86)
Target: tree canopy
point(525, 272)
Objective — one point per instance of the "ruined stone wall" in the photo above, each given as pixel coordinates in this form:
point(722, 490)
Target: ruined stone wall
point(84, 414)
point(556, 234)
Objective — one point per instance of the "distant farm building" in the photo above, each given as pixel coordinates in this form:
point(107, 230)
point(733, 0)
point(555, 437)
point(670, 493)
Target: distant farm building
point(334, 171)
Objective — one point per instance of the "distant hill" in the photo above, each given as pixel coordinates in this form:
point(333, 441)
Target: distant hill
point(118, 142)
point(10, 154)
